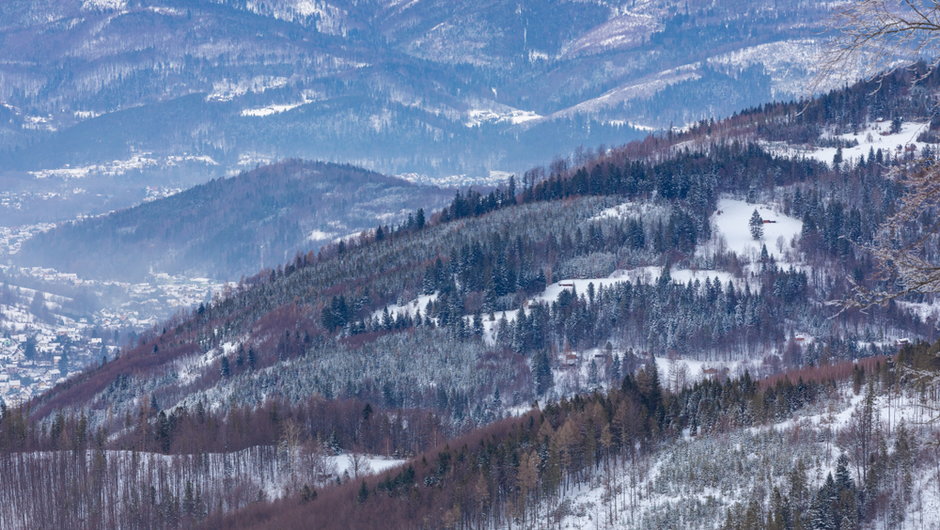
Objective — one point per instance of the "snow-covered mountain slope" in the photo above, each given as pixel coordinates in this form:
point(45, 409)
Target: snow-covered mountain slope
point(703, 481)
point(619, 295)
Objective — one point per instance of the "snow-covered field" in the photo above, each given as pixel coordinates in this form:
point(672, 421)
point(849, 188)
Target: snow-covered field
point(120, 167)
point(227, 90)
point(320, 235)
point(499, 114)
point(732, 231)
point(270, 110)
point(876, 135)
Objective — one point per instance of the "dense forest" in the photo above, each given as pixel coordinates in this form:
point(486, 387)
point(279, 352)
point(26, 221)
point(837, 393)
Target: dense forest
point(517, 472)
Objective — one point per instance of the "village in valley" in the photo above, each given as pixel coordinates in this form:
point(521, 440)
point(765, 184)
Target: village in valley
point(34, 361)
point(53, 324)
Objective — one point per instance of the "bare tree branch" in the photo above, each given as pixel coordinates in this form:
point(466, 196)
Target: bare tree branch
point(871, 35)
point(904, 245)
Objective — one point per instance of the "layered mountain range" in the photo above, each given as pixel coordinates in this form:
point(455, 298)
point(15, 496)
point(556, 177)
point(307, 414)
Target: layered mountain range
point(581, 345)
point(652, 335)
point(108, 97)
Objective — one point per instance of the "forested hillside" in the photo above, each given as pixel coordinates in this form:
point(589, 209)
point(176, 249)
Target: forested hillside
point(231, 227)
point(647, 291)
point(841, 446)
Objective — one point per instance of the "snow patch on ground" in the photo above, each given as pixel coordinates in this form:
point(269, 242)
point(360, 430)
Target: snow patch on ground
point(641, 89)
point(253, 159)
point(624, 31)
point(39, 123)
point(86, 114)
point(320, 235)
point(409, 308)
point(368, 464)
point(103, 4)
point(175, 160)
point(494, 178)
point(924, 310)
point(189, 369)
point(633, 125)
point(632, 210)
point(227, 90)
point(270, 110)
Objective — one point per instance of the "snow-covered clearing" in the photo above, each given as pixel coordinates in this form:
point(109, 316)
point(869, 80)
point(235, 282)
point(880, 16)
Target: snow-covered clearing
point(924, 310)
point(114, 168)
point(634, 210)
point(475, 117)
point(227, 90)
point(676, 372)
point(368, 464)
point(409, 308)
point(874, 136)
point(320, 235)
point(103, 4)
point(270, 110)
point(732, 231)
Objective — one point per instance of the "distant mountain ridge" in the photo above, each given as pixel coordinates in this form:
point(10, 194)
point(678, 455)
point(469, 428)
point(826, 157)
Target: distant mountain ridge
point(432, 86)
point(231, 227)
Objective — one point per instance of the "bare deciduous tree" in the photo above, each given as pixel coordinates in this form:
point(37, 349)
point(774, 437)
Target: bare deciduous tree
point(906, 239)
point(887, 30)
point(899, 31)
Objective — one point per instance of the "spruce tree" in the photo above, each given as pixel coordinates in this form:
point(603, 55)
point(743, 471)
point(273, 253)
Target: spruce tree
point(757, 226)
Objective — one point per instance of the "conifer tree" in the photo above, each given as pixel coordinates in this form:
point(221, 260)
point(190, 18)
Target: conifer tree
point(757, 226)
